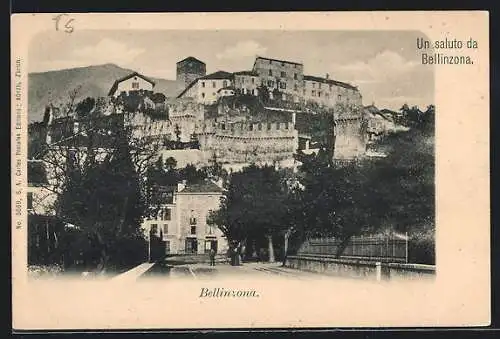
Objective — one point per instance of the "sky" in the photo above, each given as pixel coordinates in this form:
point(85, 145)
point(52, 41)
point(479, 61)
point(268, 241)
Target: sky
point(385, 65)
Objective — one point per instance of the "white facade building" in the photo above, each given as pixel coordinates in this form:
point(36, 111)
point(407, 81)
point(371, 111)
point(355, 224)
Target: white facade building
point(131, 82)
point(204, 89)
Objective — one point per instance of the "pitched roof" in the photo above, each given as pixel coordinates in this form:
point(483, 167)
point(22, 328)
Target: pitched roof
point(131, 75)
point(250, 73)
point(219, 75)
point(278, 60)
point(204, 187)
point(190, 58)
point(330, 82)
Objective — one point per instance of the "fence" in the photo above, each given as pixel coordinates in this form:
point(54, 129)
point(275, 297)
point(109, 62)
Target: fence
point(387, 249)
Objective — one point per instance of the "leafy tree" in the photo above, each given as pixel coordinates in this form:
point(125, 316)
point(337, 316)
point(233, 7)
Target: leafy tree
point(263, 93)
point(177, 131)
point(84, 107)
point(170, 164)
point(106, 202)
point(254, 207)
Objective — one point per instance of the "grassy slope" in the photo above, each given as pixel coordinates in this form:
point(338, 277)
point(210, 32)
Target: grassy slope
point(95, 81)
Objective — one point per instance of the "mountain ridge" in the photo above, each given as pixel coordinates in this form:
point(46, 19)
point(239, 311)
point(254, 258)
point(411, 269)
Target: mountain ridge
point(53, 86)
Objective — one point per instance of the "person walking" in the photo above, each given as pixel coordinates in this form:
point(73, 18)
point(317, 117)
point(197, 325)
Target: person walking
point(212, 257)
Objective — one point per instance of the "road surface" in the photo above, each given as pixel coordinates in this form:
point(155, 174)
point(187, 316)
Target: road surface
point(224, 270)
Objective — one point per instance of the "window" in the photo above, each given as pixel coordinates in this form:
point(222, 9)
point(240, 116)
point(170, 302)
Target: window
point(271, 72)
point(339, 97)
point(283, 74)
point(213, 84)
point(283, 85)
point(278, 126)
point(203, 84)
point(319, 94)
point(250, 127)
point(270, 62)
point(304, 92)
point(319, 85)
point(253, 92)
point(313, 93)
point(259, 126)
point(330, 87)
point(223, 126)
point(135, 85)
point(295, 76)
point(30, 200)
point(192, 221)
point(224, 83)
point(203, 95)
point(253, 80)
point(193, 230)
point(295, 87)
point(314, 85)
point(282, 64)
point(268, 126)
point(154, 229)
point(327, 95)
point(270, 83)
point(167, 214)
point(167, 247)
point(165, 228)
point(286, 125)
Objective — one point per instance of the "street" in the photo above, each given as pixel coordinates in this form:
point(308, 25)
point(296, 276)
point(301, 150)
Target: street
point(225, 270)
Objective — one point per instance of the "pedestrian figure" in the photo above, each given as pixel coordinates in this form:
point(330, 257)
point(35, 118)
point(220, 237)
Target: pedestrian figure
point(212, 257)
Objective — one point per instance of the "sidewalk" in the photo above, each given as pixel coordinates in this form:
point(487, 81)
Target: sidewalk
point(133, 274)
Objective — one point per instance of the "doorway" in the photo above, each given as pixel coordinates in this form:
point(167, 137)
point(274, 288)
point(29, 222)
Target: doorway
point(191, 246)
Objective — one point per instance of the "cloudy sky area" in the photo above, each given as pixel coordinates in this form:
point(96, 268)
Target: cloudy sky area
point(385, 65)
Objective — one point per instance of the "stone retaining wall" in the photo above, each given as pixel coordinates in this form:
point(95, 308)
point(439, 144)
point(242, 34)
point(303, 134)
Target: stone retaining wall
point(360, 268)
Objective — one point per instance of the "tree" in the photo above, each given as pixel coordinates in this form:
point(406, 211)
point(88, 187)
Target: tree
point(106, 202)
point(177, 132)
point(254, 207)
point(84, 107)
point(263, 93)
point(170, 164)
point(95, 172)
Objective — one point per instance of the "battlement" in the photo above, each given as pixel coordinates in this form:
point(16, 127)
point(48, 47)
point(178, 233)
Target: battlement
point(185, 107)
point(245, 129)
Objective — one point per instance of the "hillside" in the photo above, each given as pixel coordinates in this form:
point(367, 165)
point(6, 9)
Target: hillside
point(95, 81)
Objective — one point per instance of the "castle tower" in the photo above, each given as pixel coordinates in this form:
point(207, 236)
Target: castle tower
point(190, 69)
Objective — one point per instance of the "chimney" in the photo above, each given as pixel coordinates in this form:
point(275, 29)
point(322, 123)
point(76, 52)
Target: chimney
point(327, 76)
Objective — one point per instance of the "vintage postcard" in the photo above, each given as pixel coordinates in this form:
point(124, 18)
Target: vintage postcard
point(250, 170)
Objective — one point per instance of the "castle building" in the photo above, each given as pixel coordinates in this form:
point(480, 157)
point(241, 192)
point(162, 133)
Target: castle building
point(204, 89)
point(286, 76)
point(132, 82)
point(247, 82)
point(330, 92)
point(246, 141)
point(182, 222)
point(190, 69)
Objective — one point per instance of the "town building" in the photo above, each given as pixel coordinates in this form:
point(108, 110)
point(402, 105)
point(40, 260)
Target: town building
point(247, 82)
point(285, 76)
point(132, 82)
point(190, 69)
point(183, 224)
point(329, 92)
point(204, 89)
